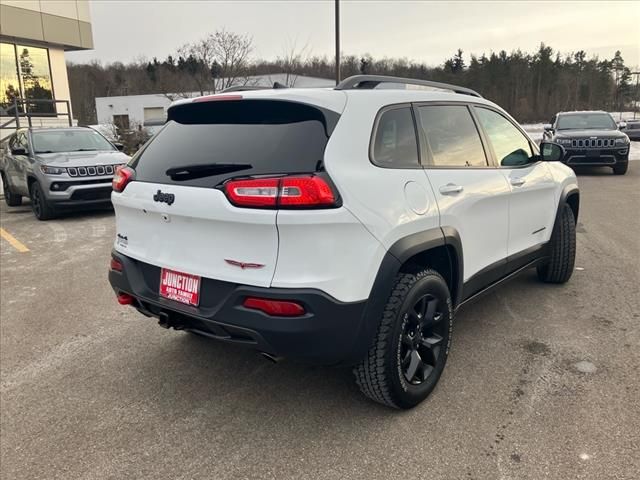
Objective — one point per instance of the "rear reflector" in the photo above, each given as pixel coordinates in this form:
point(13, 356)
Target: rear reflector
point(116, 265)
point(125, 299)
point(277, 308)
point(122, 178)
point(216, 98)
point(285, 192)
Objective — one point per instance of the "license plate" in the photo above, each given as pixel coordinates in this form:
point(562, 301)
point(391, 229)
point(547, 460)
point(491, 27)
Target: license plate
point(593, 153)
point(181, 287)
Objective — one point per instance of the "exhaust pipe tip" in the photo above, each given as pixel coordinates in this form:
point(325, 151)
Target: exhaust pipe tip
point(272, 358)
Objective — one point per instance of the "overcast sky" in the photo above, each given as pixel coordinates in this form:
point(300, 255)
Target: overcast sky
point(124, 30)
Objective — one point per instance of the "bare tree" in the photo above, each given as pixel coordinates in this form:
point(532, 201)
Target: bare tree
point(292, 61)
point(218, 61)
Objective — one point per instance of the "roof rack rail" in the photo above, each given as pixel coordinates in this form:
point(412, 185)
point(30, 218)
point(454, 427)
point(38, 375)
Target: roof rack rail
point(247, 88)
point(368, 82)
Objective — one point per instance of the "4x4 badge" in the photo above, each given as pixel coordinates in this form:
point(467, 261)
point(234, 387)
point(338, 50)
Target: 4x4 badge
point(167, 198)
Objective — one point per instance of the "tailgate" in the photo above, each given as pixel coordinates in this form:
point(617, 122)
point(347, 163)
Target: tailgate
point(197, 233)
point(173, 213)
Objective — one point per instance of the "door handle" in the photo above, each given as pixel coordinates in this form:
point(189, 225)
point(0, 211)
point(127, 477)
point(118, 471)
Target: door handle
point(518, 181)
point(450, 189)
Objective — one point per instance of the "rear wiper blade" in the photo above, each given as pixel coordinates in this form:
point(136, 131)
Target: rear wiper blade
point(190, 172)
point(85, 150)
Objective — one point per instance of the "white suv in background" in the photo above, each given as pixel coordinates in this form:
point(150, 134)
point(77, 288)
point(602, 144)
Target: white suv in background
point(338, 226)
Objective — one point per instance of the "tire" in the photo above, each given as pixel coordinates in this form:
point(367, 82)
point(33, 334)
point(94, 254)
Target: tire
point(620, 168)
point(11, 199)
point(41, 208)
point(562, 249)
point(419, 303)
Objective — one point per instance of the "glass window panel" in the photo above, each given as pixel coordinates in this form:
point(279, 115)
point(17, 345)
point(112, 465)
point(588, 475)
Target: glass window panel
point(395, 144)
point(33, 64)
point(452, 136)
point(9, 85)
point(511, 147)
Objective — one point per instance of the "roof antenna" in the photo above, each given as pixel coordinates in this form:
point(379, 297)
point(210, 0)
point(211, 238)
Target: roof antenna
point(279, 85)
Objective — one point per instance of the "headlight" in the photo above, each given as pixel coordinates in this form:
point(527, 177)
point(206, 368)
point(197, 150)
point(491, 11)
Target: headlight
point(622, 141)
point(49, 170)
point(564, 141)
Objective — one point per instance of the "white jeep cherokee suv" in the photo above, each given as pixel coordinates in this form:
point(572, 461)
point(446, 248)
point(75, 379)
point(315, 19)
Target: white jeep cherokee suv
point(338, 226)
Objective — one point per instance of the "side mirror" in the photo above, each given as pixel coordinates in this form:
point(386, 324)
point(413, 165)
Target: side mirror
point(548, 127)
point(18, 151)
point(622, 125)
point(119, 146)
point(551, 152)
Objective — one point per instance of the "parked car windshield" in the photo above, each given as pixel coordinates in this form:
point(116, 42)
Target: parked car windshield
point(586, 121)
point(57, 141)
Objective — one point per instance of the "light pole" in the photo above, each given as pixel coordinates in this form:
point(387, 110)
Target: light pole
point(337, 41)
point(637, 105)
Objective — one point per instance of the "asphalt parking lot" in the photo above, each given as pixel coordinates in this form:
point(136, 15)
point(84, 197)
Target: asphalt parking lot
point(543, 381)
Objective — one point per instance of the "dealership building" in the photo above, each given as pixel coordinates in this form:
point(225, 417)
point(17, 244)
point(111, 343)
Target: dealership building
point(34, 34)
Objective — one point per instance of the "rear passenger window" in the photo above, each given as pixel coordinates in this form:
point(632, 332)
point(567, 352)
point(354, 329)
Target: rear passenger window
point(452, 136)
point(395, 144)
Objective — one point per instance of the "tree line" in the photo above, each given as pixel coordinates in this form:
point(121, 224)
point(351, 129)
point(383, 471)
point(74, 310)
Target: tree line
point(531, 86)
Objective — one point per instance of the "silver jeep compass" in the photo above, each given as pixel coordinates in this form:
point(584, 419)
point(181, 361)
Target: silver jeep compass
point(58, 168)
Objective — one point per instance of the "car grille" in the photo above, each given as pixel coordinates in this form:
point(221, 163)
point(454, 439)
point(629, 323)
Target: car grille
point(93, 171)
point(593, 142)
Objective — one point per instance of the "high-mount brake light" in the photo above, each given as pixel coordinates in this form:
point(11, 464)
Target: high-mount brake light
point(297, 191)
point(216, 98)
point(122, 177)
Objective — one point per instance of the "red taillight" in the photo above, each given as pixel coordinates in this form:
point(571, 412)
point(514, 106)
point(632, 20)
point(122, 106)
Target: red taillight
point(122, 178)
point(216, 98)
point(305, 192)
point(116, 265)
point(253, 193)
point(125, 299)
point(277, 308)
point(289, 192)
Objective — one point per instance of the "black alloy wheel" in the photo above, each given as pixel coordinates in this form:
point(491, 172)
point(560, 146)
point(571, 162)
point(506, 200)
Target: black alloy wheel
point(409, 352)
point(422, 339)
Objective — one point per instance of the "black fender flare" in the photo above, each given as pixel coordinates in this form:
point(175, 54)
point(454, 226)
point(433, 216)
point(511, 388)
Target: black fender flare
point(568, 194)
point(419, 242)
point(401, 251)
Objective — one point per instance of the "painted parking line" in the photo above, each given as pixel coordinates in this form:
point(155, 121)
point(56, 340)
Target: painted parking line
point(15, 243)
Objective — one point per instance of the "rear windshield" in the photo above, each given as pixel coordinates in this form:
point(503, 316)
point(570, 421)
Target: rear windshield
point(586, 121)
point(205, 144)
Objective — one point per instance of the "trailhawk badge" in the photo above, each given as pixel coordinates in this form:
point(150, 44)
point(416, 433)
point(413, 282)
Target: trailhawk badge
point(243, 265)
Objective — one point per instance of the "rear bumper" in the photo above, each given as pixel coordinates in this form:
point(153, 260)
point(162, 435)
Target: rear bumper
point(327, 334)
point(577, 157)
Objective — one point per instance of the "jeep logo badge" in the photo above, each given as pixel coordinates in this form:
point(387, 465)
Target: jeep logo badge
point(167, 198)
